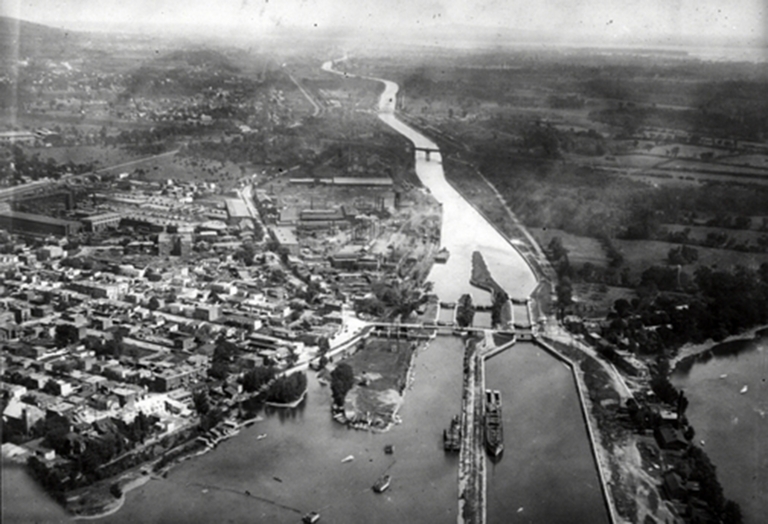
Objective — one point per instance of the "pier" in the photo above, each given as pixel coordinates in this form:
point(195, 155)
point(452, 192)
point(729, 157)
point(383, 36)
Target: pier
point(472, 488)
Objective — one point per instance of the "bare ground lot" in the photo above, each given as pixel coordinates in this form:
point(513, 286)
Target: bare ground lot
point(385, 364)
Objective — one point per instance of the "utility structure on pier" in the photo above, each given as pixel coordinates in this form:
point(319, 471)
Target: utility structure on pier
point(427, 150)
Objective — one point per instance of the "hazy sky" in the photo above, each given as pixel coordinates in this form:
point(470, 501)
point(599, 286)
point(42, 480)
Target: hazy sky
point(604, 20)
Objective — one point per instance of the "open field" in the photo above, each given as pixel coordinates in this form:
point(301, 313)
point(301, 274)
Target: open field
point(670, 176)
point(596, 300)
point(747, 160)
point(725, 169)
point(383, 365)
point(581, 250)
point(105, 156)
point(748, 237)
point(641, 254)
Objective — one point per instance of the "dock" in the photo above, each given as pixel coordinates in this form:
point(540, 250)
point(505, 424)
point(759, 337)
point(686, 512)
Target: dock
point(472, 480)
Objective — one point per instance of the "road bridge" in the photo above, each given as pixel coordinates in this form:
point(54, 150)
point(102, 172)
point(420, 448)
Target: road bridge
point(427, 151)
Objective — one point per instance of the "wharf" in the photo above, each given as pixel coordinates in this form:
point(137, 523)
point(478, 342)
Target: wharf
point(472, 480)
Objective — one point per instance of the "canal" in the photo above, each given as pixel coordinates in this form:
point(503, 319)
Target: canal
point(546, 475)
point(547, 472)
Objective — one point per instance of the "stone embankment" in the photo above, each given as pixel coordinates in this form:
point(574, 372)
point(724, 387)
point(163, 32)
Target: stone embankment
point(472, 492)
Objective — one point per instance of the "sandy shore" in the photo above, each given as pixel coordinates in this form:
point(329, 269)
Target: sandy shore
point(691, 350)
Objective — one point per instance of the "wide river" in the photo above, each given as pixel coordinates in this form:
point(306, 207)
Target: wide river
point(732, 424)
point(547, 473)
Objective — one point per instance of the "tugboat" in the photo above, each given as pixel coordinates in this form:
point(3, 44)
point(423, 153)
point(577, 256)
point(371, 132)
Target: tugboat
point(382, 484)
point(311, 517)
point(452, 435)
point(494, 432)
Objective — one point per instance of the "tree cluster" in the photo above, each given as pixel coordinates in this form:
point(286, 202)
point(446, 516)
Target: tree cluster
point(718, 303)
point(287, 388)
point(342, 380)
point(465, 311)
point(254, 379)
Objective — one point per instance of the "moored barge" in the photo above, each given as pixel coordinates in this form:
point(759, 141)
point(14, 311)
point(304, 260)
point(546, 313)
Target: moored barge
point(494, 431)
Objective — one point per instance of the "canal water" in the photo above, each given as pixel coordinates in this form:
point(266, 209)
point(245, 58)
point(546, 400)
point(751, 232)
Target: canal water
point(547, 473)
point(733, 425)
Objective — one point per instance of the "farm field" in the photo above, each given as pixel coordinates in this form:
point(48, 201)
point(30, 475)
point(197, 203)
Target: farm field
point(641, 254)
point(580, 249)
point(741, 236)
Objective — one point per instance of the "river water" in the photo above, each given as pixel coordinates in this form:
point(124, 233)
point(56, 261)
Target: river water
point(733, 425)
point(547, 473)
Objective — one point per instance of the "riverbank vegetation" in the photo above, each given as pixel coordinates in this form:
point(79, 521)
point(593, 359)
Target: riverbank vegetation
point(342, 380)
point(287, 388)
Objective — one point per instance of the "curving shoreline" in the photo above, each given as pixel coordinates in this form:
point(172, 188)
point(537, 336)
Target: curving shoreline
point(114, 507)
point(690, 352)
point(293, 404)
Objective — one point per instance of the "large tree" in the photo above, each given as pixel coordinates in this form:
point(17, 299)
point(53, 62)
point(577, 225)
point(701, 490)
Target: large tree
point(342, 380)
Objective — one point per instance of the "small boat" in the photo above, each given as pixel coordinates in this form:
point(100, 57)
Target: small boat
point(382, 484)
point(278, 479)
point(262, 436)
point(452, 435)
point(744, 389)
point(346, 459)
point(311, 517)
point(441, 257)
point(724, 375)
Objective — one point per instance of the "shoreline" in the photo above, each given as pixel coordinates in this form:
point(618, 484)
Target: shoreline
point(691, 351)
point(117, 504)
point(293, 404)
